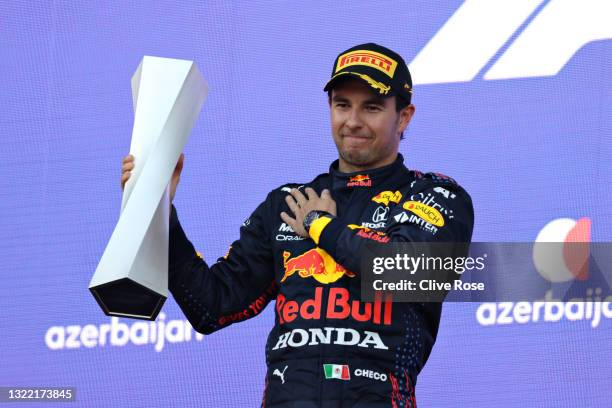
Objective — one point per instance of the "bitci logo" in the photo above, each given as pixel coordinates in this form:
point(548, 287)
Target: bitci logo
point(561, 250)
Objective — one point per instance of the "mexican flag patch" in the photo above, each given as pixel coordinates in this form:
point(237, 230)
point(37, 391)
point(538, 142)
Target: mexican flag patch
point(339, 371)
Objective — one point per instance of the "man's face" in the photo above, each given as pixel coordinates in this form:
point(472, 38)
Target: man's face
point(366, 128)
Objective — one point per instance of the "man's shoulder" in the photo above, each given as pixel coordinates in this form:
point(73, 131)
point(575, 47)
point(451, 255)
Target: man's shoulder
point(284, 189)
point(440, 183)
point(287, 187)
point(437, 191)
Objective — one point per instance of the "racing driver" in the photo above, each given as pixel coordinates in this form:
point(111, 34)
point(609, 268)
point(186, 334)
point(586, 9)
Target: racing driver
point(327, 347)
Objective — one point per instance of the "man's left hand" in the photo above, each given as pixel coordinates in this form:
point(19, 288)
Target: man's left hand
point(301, 205)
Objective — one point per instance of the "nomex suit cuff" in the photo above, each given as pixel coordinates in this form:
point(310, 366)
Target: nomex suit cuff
point(325, 233)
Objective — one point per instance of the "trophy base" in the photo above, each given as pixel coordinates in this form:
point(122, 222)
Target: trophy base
point(127, 298)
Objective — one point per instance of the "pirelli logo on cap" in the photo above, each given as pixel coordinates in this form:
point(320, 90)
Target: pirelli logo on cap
point(368, 58)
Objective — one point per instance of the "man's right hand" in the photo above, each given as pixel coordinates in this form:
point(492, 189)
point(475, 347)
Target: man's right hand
point(128, 165)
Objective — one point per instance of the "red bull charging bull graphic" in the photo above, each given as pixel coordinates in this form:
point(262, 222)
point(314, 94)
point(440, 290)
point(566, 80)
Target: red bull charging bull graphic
point(316, 263)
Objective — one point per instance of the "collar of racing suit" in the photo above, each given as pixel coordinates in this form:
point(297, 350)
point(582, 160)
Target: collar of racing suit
point(365, 178)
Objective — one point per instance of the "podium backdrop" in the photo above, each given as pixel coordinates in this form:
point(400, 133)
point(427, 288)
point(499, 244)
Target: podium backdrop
point(514, 101)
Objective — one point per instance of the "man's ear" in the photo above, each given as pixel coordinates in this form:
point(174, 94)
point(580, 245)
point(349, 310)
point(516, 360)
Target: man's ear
point(405, 116)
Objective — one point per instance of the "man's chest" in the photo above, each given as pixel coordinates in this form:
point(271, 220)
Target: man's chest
point(296, 257)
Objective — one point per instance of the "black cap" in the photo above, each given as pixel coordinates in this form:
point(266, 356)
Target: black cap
point(383, 69)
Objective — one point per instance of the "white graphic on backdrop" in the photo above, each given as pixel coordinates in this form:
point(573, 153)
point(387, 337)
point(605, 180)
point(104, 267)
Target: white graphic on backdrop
point(561, 250)
point(480, 28)
point(119, 334)
point(567, 261)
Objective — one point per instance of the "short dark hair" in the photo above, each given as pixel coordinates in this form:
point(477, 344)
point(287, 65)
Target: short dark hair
point(400, 103)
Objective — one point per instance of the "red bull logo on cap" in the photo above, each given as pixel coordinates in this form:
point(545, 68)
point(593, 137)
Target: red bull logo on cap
point(316, 263)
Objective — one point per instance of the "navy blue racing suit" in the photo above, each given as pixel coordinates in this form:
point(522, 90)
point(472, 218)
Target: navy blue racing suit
point(327, 347)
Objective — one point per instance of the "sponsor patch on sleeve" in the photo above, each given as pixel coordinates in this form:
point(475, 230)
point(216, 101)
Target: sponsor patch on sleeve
point(440, 178)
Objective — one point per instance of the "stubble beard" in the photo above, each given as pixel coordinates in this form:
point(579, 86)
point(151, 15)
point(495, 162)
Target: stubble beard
point(356, 157)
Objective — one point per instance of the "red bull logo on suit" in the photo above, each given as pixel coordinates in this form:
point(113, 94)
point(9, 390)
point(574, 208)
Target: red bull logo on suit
point(316, 263)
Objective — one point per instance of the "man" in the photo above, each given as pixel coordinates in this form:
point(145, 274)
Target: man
point(302, 246)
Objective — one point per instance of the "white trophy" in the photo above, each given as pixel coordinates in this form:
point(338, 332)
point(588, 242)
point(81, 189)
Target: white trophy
point(131, 279)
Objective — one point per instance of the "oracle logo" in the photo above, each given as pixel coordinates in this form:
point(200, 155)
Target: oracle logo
point(561, 250)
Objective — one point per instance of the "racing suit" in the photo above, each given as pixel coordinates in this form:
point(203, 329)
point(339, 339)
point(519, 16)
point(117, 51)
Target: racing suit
point(327, 348)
